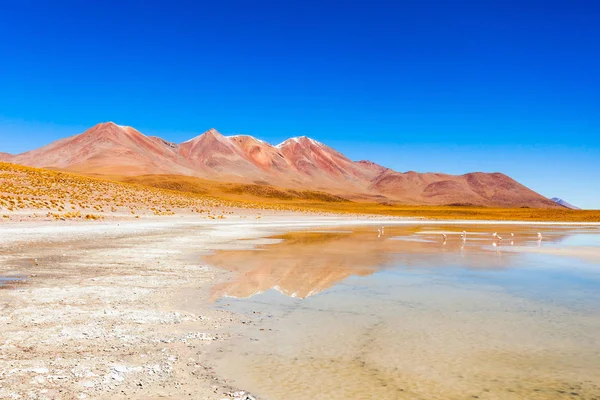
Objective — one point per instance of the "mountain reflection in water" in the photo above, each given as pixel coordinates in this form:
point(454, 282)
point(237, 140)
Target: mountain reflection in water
point(413, 315)
point(303, 264)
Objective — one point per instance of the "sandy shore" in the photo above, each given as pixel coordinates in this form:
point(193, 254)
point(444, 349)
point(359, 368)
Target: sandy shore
point(121, 309)
point(118, 309)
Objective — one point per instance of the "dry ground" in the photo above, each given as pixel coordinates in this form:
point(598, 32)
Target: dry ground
point(34, 193)
point(264, 196)
point(110, 310)
point(38, 193)
point(119, 309)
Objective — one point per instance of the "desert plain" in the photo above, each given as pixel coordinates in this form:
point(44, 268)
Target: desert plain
point(106, 291)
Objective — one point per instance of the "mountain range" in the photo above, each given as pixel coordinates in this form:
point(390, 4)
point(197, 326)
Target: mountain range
point(564, 203)
point(299, 162)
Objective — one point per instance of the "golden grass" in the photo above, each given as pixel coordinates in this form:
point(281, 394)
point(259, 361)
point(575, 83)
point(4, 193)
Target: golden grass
point(269, 197)
point(62, 195)
point(463, 213)
point(228, 190)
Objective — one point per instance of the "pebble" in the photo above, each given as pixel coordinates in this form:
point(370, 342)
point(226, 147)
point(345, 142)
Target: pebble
point(41, 370)
point(117, 377)
point(120, 368)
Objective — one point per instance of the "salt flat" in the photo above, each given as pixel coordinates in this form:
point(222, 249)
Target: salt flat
point(124, 309)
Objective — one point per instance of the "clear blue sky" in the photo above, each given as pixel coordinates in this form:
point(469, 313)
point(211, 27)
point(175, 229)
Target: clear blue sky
point(452, 86)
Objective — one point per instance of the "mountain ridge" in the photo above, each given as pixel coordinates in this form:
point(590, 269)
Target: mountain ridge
point(298, 162)
point(564, 203)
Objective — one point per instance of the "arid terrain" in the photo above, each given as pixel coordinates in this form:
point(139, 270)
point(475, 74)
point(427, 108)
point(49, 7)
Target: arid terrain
point(299, 163)
point(103, 312)
point(295, 200)
point(33, 193)
point(104, 292)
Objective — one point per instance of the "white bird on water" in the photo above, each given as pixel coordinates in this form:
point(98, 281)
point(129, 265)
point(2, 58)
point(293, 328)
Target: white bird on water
point(382, 230)
point(539, 235)
point(445, 238)
point(495, 234)
point(378, 232)
point(463, 235)
point(512, 234)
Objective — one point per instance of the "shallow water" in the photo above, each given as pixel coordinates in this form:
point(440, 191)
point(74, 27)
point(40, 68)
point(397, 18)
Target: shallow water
point(409, 315)
point(5, 280)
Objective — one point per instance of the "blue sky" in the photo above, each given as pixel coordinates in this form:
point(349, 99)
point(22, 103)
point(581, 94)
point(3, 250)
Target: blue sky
point(451, 86)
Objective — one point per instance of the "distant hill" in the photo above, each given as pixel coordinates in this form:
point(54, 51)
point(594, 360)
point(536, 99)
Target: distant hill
point(298, 163)
point(564, 203)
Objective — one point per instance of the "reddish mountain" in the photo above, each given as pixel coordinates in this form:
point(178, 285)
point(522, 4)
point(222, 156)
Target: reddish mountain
point(5, 156)
point(481, 189)
point(375, 169)
point(109, 148)
point(261, 154)
point(237, 157)
point(299, 162)
point(324, 167)
point(213, 154)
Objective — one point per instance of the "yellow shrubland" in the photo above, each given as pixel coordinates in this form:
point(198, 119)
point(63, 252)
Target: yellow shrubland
point(71, 196)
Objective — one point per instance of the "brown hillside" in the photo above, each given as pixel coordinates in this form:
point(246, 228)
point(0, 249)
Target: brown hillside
point(300, 164)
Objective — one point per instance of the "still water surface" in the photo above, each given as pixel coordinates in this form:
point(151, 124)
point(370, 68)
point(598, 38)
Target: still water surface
point(410, 315)
point(6, 280)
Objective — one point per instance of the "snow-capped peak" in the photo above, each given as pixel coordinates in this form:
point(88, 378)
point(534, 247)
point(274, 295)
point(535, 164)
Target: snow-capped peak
point(299, 139)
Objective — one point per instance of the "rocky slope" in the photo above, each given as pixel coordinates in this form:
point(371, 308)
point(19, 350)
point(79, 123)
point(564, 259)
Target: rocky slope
point(299, 162)
point(108, 148)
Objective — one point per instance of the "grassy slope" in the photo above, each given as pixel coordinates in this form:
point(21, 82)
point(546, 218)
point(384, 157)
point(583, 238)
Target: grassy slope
point(318, 201)
point(231, 191)
point(67, 194)
point(64, 195)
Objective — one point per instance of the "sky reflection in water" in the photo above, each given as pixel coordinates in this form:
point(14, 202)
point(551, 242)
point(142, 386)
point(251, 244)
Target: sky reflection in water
point(411, 315)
